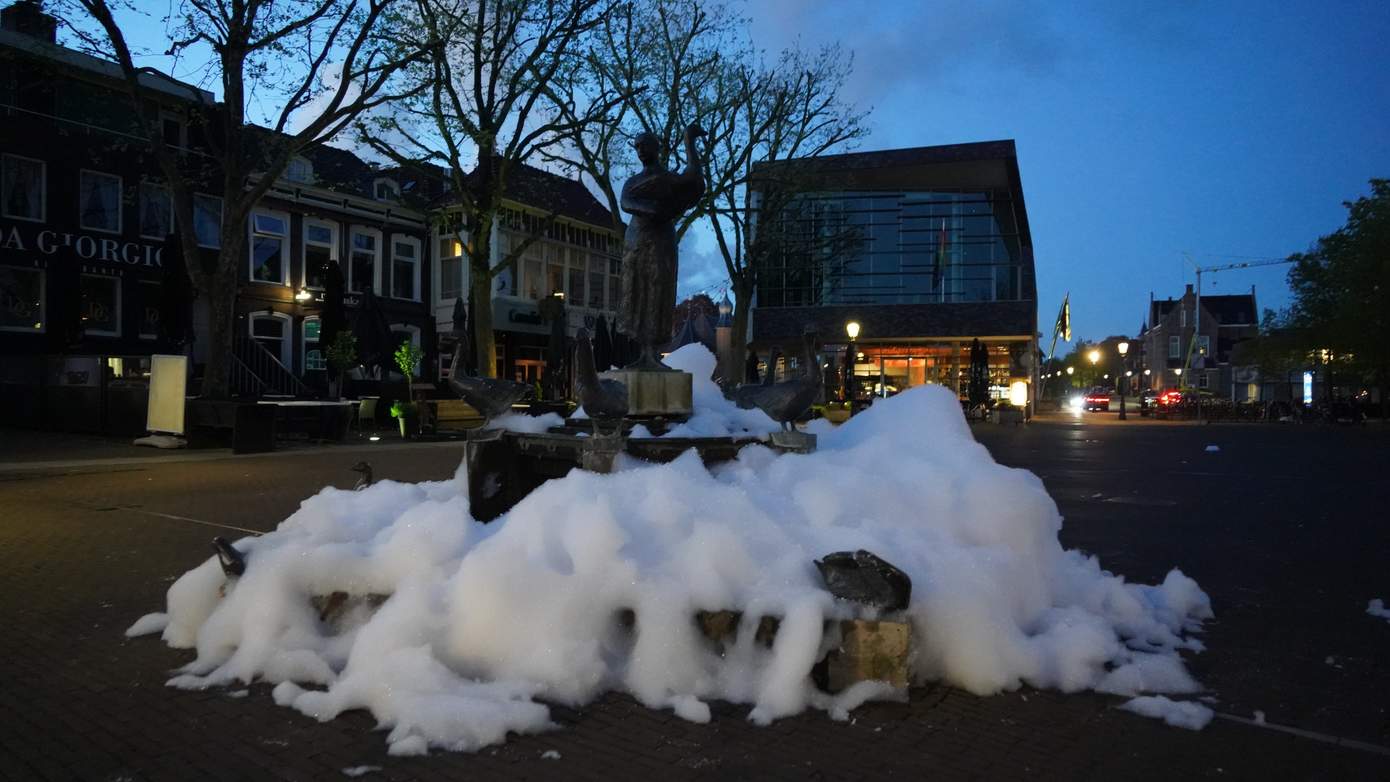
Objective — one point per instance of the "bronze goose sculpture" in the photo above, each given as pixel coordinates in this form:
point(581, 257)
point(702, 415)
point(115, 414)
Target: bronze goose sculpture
point(786, 401)
point(603, 399)
point(491, 396)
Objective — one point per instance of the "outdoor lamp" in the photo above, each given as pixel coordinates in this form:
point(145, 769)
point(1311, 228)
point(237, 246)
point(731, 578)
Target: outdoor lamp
point(852, 329)
point(1070, 370)
point(1178, 371)
point(1147, 372)
point(303, 295)
point(1123, 347)
point(1128, 373)
point(1094, 356)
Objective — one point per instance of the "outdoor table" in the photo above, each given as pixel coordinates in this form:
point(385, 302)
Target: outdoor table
point(325, 419)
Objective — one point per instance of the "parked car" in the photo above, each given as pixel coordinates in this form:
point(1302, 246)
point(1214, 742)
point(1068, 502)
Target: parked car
point(1098, 400)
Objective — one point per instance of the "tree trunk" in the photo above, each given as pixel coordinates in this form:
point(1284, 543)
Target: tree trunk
point(484, 345)
point(221, 293)
point(743, 309)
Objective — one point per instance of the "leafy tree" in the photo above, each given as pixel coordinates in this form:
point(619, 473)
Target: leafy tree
point(1341, 290)
point(323, 62)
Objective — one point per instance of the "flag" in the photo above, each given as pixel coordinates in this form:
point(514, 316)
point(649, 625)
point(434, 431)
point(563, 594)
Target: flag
point(1063, 325)
point(940, 268)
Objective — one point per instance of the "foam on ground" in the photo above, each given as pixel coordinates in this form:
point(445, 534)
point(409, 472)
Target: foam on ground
point(487, 623)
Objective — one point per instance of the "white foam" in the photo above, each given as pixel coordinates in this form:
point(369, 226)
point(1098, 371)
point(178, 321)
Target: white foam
point(1179, 714)
point(486, 621)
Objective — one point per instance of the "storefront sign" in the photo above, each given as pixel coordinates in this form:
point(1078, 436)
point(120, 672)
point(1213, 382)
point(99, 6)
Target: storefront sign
point(45, 241)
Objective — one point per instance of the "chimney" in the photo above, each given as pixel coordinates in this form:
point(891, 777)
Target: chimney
point(1189, 289)
point(27, 18)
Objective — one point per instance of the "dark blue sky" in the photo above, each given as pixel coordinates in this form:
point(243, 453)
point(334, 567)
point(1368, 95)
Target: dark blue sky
point(1221, 129)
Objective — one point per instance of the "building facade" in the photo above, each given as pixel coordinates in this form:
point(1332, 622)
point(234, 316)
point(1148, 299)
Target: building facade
point(576, 252)
point(927, 249)
point(84, 220)
point(1169, 344)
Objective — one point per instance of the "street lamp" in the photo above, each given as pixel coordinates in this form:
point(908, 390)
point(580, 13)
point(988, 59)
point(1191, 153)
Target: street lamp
point(1123, 347)
point(851, 355)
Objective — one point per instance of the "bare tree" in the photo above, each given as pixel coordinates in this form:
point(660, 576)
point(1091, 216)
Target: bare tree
point(790, 111)
point(483, 99)
point(321, 62)
point(685, 61)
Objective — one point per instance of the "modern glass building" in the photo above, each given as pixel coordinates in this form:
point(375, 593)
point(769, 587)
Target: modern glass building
point(926, 248)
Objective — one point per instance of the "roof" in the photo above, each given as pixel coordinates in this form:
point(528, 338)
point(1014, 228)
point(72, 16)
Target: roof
point(1003, 149)
point(1228, 309)
point(899, 321)
point(150, 79)
point(551, 192)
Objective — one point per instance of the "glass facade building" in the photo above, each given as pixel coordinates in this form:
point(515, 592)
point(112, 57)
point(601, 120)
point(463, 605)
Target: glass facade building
point(928, 249)
point(905, 247)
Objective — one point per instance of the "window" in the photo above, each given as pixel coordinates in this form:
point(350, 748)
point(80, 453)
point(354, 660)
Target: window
point(615, 282)
point(1182, 317)
point(300, 170)
point(596, 281)
point(1204, 346)
point(207, 220)
point(22, 191)
point(534, 280)
point(1202, 380)
point(320, 248)
point(575, 292)
point(1174, 347)
point(21, 299)
point(271, 330)
point(156, 211)
point(101, 305)
point(172, 129)
point(149, 309)
point(386, 190)
point(365, 253)
point(314, 359)
point(554, 270)
point(269, 247)
point(451, 277)
point(99, 202)
point(405, 269)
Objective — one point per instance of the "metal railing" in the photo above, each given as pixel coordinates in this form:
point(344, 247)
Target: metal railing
point(256, 371)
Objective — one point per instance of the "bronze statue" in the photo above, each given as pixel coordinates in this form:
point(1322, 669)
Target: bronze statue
point(655, 198)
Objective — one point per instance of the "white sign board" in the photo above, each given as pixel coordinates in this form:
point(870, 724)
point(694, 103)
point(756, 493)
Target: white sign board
point(168, 387)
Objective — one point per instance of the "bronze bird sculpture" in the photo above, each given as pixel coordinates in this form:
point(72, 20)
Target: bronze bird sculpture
point(603, 399)
point(365, 468)
point(786, 401)
point(490, 396)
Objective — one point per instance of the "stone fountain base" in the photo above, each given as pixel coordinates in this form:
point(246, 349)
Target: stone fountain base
point(663, 393)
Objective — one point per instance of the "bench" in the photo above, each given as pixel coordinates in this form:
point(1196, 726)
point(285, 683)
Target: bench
point(455, 414)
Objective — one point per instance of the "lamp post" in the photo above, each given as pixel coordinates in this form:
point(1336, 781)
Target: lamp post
point(851, 352)
point(1123, 347)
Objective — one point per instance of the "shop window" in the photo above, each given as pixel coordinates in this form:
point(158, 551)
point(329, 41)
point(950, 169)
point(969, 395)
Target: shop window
point(21, 299)
point(207, 220)
point(149, 309)
point(366, 254)
point(156, 211)
point(101, 305)
point(271, 330)
point(405, 269)
point(23, 191)
point(314, 358)
point(320, 248)
point(269, 247)
point(99, 202)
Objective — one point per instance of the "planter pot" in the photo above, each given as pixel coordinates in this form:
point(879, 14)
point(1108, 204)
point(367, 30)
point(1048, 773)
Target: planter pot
point(410, 425)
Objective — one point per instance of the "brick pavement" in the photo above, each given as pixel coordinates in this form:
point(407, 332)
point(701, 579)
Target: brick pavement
point(82, 556)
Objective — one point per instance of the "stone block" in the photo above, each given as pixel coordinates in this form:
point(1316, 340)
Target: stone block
point(655, 393)
point(869, 651)
point(793, 441)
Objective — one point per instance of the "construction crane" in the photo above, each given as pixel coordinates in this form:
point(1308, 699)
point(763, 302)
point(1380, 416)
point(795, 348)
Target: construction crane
point(1185, 377)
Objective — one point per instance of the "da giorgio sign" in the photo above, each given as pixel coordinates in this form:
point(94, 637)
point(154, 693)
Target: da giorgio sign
point(36, 239)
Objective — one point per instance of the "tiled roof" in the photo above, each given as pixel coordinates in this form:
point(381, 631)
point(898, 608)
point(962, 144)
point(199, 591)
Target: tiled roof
point(550, 192)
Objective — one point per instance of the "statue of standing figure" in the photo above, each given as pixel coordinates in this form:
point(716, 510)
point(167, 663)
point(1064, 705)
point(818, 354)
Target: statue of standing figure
point(655, 198)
